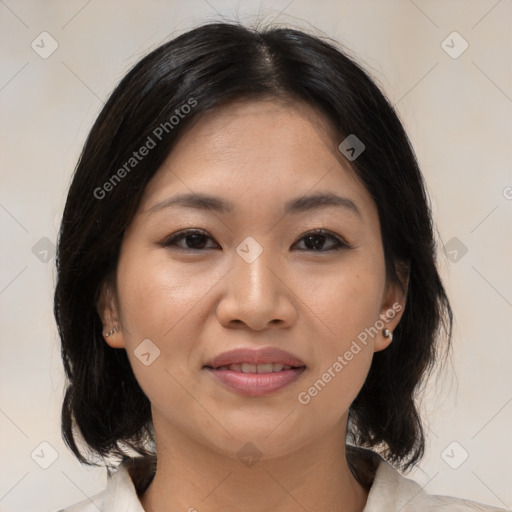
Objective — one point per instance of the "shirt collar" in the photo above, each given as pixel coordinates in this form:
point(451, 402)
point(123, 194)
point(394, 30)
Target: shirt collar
point(120, 493)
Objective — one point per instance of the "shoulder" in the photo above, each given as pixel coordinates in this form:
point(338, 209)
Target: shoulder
point(391, 491)
point(122, 489)
point(91, 504)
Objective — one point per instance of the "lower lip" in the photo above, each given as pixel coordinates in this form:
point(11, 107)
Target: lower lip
point(256, 384)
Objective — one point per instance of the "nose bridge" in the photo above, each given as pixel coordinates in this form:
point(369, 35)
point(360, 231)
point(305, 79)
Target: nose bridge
point(252, 271)
point(256, 294)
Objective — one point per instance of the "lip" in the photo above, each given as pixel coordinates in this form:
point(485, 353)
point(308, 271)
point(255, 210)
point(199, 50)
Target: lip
point(254, 356)
point(255, 384)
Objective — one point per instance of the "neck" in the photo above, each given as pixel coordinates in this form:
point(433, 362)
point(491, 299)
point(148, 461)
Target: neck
point(191, 477)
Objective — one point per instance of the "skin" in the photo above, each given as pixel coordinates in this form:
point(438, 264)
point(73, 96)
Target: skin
point(195, 304)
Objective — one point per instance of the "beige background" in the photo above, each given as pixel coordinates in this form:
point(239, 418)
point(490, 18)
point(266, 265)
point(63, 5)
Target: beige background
point(457, 111)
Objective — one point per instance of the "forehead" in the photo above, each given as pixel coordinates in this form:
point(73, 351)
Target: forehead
point(258, 127)
point(256, 153)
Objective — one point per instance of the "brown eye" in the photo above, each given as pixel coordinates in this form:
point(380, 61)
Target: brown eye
point(193, 239)
point(315, 241)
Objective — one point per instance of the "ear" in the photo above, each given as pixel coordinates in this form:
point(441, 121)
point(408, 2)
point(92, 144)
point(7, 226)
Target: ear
point(393, 305)
point(108, 310)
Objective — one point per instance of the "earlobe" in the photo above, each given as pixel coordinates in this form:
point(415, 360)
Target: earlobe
point(107, 309)
point(383, 340)
point(387, 334)
point(393, 308)
point(114, 337)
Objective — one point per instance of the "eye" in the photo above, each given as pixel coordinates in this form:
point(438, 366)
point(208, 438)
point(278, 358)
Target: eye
point(194, 240)
point(315, 240)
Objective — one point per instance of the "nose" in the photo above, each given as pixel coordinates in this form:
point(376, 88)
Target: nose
point(256, 295)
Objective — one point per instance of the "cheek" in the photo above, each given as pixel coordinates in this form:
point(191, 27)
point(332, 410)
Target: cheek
point(342, 354)
point(159, 308)
point(330, 390)
point(167, 303)
point(346, 304)
point(346, 299)
point(156, 294)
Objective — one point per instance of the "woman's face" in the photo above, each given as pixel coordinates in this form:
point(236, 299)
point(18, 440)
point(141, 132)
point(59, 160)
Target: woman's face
point(252, 275)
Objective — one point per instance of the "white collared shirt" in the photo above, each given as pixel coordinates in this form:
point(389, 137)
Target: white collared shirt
point(390, 492)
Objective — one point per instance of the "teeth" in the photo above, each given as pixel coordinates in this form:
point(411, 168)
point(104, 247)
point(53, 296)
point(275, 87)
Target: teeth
point(264, 368)
point(256, 368)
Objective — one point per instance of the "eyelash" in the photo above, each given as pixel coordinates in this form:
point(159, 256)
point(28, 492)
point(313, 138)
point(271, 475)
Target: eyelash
point(173, 239)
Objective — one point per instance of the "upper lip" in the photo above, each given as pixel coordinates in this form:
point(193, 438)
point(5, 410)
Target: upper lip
point(254, 356)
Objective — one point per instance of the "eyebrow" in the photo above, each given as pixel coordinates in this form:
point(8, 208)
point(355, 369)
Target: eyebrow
point(297, 205)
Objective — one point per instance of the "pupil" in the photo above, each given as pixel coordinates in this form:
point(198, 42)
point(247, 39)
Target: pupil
point(196, 242)
point(319, 240)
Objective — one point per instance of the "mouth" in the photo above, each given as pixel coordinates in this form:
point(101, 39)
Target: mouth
point(256, 368)
point(255, 373)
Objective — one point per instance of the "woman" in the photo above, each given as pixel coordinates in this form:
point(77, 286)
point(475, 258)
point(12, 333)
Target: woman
point(247, 293)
